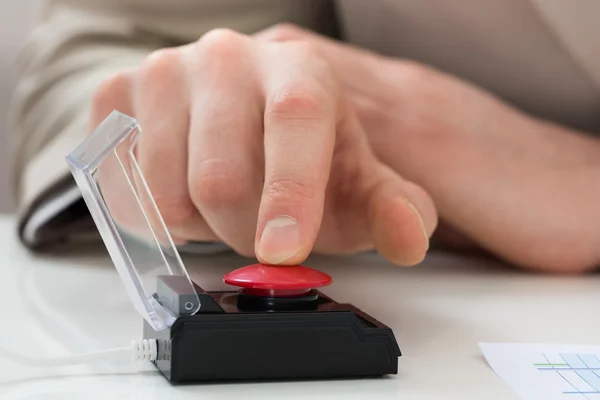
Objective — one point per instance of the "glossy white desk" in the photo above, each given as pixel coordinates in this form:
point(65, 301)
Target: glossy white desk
point(59, 305)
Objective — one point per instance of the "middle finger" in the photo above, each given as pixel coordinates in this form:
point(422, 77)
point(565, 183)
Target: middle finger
point(225, 143)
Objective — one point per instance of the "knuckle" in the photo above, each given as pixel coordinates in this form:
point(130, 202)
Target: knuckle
point(109, 91)
point(299, 101)
point(111, 94)
point(285, 31)
point(160, 66)
point(289, 191)
point(220, 43)
point(216, 185)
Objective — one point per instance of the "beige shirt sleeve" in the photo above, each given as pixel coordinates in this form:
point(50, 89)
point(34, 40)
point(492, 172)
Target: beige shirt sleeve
point(79, 43)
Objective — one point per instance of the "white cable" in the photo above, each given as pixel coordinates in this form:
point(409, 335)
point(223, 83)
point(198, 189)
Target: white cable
point(139, 350)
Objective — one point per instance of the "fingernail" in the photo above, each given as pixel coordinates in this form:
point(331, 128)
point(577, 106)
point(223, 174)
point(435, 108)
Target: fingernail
point(421, 223)
point(280, 240)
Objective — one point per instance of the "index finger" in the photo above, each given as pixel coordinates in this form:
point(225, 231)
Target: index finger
point(301, 113)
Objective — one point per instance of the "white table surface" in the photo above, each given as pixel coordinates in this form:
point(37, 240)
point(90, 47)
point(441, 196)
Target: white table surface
point(71, 303)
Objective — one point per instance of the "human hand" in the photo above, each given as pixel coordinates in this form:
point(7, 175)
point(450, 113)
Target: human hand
point(255, 143)
point(501, 180)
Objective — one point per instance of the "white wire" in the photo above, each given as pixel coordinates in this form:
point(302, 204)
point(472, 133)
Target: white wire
point(139, 350)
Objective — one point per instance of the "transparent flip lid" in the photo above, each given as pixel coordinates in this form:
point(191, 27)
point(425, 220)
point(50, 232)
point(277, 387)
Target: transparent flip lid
point(123, 208)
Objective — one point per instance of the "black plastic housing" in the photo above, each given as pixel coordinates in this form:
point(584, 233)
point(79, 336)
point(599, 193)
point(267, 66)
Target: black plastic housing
point(222, 342)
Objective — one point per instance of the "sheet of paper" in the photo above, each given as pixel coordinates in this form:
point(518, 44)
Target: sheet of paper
point(547, 371)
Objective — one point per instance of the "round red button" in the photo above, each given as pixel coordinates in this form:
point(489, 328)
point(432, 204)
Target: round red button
point(272, 280)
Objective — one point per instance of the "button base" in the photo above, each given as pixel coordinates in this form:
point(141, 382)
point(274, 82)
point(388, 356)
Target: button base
point(249, 302)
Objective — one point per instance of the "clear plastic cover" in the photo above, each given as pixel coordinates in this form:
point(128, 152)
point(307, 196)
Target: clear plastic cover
point(123, 208)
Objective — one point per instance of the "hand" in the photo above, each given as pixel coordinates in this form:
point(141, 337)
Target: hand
point(521, 188)
point(255, 143)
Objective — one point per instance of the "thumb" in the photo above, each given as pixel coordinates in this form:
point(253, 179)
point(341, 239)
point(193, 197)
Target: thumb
point(401, 217)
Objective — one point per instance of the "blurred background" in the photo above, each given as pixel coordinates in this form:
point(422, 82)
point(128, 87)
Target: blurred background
point(16, 20)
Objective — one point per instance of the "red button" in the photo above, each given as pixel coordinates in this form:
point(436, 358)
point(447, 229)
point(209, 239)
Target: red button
point(277, 281)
